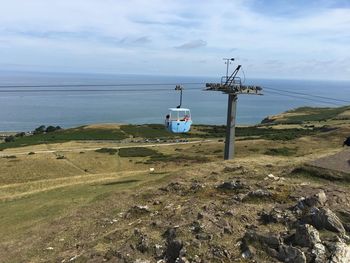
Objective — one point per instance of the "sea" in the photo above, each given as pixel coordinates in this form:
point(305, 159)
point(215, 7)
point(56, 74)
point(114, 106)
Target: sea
point(28, 100)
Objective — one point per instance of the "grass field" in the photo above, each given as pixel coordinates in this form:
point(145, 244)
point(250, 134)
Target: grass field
point(45, 198)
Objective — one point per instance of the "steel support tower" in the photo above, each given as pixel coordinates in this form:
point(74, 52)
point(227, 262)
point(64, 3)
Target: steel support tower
point(232, 86)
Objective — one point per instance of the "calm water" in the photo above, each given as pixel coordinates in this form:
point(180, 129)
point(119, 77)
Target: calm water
point(21, 111)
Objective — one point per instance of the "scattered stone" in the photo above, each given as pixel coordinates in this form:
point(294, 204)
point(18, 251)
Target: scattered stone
point(231, 185)
point(170, 234)
point(341, 253)
point(195, 186)
point(229, 213)
point(272, 177)
point(182, 260)
point(318, 199)
point(291, 254)
point(139, 209)
point(307, 236)
point(325, 218)
point(270, 240)
point(196, 227)
point(142, 261)
point(173, 187)
point(143, 244)
point(219, 252)
point(204, 236)
point(259, 193)
point(239, 197)
point(274, 216)
point(159, 251)
point(172, 251)
point(319, 253)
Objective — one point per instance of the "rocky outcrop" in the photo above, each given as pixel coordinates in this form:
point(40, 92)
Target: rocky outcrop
point(306, 236)
point(232, 185)
point(301, 241)
point(341, 253)
point(324, 218)
point(291, 254)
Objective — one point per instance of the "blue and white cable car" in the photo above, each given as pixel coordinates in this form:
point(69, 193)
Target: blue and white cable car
point(178, 120)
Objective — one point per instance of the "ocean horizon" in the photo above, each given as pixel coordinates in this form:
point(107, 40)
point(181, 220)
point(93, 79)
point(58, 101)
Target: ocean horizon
point(67, 106)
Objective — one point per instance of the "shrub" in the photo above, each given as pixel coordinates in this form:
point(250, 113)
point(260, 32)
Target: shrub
point(110, 151)
point(138, 152)
point(10, 138)
point(284, 151)
point(52, 128)
point(20, 134)
point(39, 130)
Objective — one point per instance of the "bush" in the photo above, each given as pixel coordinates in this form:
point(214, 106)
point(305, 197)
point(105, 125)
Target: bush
point(138, 152)
point(20, 134)
point(284, 151)
point(110, 151)
point(10, 138)
point(39, 130)
point(52, 128)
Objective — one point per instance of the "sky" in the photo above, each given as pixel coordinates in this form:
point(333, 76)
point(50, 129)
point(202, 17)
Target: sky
point(296, 39)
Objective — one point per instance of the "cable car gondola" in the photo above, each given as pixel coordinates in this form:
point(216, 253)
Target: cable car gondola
point(179, 119)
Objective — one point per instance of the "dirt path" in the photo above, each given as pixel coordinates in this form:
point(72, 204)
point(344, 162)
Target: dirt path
point(12, 151)
point(338, 162)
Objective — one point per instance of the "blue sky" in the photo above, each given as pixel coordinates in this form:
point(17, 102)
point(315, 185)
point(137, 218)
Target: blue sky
point(271, 39)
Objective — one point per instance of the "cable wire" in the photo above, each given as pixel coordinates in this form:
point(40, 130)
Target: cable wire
point(299, 97)
point(46, 88)
point(99, 85)
point(306, 94)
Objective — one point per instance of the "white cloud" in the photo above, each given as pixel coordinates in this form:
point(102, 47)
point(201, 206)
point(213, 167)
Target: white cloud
point(101, 35)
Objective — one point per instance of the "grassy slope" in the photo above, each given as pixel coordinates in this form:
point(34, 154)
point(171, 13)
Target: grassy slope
point(307, 114)
point(37, 195)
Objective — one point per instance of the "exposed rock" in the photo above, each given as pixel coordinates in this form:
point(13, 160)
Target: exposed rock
point(270, 240)
point(170, 234)
point(159, 251)
point(319, 253)
point(139, 209)
point(306, 236)
point(196, 227)
point(220, 252)
point(173, 187)
point(143, 244)
point(182, 260)
point(277, 216)
point(239, 197)
point(229, 212)
point(259, 193)
point(325, 218)
point(231, 185)
point(272, 177)
point(341, 253)
point(318, 199)
point(172, 251)
point(291, 254)
point(200, 215)
point(196, 186)
point(204, 236)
